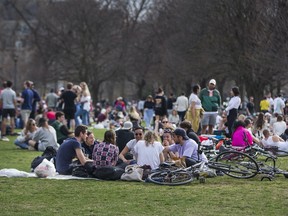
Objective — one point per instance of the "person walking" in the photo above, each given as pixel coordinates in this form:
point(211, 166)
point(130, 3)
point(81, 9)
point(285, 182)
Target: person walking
point(211, 101)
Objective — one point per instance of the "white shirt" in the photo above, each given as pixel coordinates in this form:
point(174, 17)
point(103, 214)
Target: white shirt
point(278, 105)
point(279, 127)
point(234, 103)
point(194, 98)
point(86, 105)
point(130, 145)
point(149, 155)
point(282, 146)
point(182, 103)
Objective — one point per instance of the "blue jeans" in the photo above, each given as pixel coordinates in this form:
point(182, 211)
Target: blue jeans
point(85, 117)
point(22, 145)
point(148, 116)
point(78, 113)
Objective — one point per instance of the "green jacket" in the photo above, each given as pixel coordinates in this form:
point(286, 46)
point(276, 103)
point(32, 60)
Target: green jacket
point(210, 104)
point(57, 126)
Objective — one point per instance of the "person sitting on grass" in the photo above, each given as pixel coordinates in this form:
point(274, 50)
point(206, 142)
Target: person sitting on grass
point(89, 144)
point(26, 134)
point(106, 153)
point(241, 137)
point(128, 154)
point(186, 148)
point(274, 141)
point(71, 149)
point(44, 136)
point(149, 151)
point(62, 130)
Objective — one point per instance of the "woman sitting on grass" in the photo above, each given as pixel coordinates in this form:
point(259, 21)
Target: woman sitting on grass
point(26, 134)
point(106, 153)
point(241, 137)
point(149, 151)
point(44, 136)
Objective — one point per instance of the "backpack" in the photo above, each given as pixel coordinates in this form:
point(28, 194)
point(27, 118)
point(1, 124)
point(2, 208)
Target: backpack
point(49, 153)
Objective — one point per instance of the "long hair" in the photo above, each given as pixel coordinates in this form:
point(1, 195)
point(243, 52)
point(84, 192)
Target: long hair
point(85, 89)
point(150, 137)
point(29, 125)
point(109, 137)
point(260, 121)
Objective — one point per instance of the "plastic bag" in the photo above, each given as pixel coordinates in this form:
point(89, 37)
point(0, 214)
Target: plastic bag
point(45, 169)
point(132, 173)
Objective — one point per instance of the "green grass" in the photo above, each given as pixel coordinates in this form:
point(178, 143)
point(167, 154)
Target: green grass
point(218, 196)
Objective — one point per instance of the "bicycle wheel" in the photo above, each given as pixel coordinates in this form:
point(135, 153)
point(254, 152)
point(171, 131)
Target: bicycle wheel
point(236, 164)
point(170, 178)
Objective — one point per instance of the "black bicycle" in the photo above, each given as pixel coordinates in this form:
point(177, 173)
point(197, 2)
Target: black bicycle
point(232, 163)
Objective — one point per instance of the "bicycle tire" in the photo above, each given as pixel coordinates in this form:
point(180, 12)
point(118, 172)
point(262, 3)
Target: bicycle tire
point(172, 178)
point(236, 164)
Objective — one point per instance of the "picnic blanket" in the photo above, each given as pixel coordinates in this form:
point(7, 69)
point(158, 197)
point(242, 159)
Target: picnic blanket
point(18, 173)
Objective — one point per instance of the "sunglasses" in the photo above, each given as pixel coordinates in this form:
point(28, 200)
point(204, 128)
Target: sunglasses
point(138, 134)
point(164, 122)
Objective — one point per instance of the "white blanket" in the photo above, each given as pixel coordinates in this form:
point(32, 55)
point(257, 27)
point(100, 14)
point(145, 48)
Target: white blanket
point(17, 173)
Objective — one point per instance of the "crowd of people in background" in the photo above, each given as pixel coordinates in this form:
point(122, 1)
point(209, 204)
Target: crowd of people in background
point(148, 131)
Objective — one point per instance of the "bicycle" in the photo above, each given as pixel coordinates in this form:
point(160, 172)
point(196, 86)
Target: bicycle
point(268, 171)
point(234, 164)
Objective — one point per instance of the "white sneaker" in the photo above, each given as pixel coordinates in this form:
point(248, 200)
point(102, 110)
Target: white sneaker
point(3, 138)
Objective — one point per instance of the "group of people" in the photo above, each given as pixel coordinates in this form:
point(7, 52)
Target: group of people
point(128, 146)
point(171, 124)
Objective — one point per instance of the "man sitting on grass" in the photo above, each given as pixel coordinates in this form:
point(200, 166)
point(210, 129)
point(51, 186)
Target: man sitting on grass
point(186, 148)
point(70, 149)
point(62, 130)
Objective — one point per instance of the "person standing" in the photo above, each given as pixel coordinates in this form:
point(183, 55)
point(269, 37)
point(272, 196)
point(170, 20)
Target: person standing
point(85, 101)
point(51, 100)
point(250, 107)
point(211, 101)
point(278, 105)
point(182, 105)
point(170, 103)
point(194, 114)
point(160, 107)
point(27, 100)
point(232, 109)
point(264, 105)
point(36, 99)
point(8, 103)
point(148, 111)
point(69, 110)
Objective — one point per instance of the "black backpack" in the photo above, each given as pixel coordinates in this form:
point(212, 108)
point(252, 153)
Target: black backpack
point(49, 153)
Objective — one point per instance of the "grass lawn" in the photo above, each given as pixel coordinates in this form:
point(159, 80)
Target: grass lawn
point(218, 196)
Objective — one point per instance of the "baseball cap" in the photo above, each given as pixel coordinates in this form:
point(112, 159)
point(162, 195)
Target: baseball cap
point(181, 132)
point(127, 125)
point(212, 81)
